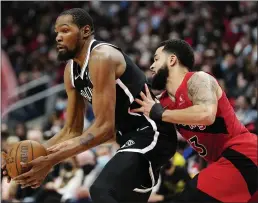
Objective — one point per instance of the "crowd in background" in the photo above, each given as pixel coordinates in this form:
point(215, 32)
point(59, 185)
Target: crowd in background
point(222, 34)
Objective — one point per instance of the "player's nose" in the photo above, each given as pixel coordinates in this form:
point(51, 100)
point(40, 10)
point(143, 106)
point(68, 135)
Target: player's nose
point(152, 67)
point(58, 38)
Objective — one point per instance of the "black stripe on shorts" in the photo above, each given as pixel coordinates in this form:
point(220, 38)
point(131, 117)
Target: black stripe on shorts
point(246, 167)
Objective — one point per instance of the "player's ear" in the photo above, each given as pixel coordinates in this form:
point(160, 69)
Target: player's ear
point(86, 31)
point(172, 59)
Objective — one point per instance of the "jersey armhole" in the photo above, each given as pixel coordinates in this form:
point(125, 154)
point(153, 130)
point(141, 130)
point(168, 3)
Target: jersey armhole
point(71, 74)
point(100, 44)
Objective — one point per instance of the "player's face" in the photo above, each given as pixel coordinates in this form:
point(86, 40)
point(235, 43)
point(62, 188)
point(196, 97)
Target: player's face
point(67, 38)
point(159, 70)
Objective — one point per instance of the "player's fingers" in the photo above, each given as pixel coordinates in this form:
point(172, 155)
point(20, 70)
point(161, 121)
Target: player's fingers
point(22, 177)
point(26, 182)
point(4, 154)
point(144, 98)
point(4, 172)
point(30, 183)
point(50, 148)
point(147, 91)
point(141, 109)
point(139, 102)
point(3, 166)
point(3, 158)
point(35, 186)
point(53, 148)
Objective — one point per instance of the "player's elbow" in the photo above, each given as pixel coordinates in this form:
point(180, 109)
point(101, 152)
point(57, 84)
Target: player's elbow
point(108, 129)
point(208, 118)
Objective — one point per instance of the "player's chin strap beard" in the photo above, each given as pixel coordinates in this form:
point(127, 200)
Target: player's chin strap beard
point(159, 81)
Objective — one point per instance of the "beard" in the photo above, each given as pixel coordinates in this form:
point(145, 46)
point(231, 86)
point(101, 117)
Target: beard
point(159, 80)
point(66, 54)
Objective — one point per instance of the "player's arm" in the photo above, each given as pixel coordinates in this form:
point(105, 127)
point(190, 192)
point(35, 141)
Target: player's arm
point(102, 72)
point(75, 113)
point(202, 91)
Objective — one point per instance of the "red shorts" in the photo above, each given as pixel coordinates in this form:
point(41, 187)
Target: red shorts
point(233, 178)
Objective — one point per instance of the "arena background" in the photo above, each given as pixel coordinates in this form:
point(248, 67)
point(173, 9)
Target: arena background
point(223, 35)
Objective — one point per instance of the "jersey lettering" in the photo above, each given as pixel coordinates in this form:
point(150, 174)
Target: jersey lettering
point(201, 127)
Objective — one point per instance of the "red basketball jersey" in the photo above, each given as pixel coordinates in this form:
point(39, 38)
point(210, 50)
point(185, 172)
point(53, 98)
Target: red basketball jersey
point(208, 141)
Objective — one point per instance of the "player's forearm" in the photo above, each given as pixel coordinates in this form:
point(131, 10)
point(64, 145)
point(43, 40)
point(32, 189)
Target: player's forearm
point(92, 137)
point(194, 115)
point(63, 135)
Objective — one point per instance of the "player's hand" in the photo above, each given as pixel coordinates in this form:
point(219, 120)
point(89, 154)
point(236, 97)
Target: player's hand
point(3, 166)
point(39, 168)
point(146, 103)
point(156, 198)
point(58, 147)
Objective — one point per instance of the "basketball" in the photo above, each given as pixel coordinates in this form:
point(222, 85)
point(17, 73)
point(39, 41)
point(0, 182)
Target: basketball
point(24, 151)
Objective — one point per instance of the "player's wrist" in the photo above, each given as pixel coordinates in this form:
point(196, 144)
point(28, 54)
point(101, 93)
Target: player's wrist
point(156, 112)
point(53, 159)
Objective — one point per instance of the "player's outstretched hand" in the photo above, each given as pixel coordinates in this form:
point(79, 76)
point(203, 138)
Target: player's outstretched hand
point(58, 147)
point(39, 168)
point(146, 103)
point(3, 166)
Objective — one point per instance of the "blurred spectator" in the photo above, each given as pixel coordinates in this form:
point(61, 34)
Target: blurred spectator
point(64, 187)
point(8, 83)
point(244, 111)
point(21, 131)
point(4, 136)
point(174, 178)
point(35, 135)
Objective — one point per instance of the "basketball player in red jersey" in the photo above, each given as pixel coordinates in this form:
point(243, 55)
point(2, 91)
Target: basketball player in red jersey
point(195, 102)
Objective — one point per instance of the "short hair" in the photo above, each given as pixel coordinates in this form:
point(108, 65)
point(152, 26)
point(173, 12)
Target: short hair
point(80, 17)
point(181, 49)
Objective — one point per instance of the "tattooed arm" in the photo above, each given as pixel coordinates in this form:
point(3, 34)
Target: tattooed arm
point(102, 72)
point(203, 92)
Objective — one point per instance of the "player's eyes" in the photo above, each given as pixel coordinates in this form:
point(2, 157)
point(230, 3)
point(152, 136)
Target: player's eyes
point(65, 30)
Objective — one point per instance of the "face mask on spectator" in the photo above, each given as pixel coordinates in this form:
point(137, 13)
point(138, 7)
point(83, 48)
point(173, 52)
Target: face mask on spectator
point(224, 65)
point(102, 160)
point(60, 105)
point(235, 29)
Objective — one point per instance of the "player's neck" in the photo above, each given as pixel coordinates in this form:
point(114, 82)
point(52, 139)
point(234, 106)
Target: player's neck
point(175, 78)
point(80, 57)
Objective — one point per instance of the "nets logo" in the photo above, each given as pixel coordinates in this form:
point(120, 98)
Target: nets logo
point(128, 143)
point(87, 93)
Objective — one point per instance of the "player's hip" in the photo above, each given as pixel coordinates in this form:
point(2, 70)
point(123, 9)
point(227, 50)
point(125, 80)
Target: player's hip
point(236, 172)
point(244, 144)
point(155, 146)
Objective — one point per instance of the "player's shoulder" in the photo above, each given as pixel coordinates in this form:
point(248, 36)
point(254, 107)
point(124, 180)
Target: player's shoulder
point(202, 74)
point(106, 54)
point(68, 66)
point(200, 77)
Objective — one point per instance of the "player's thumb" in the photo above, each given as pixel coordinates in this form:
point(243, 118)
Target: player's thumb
point(3, 159)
